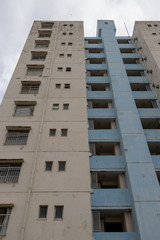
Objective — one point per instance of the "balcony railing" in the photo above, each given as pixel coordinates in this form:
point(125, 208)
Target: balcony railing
point(9, 174)
point(30, 89)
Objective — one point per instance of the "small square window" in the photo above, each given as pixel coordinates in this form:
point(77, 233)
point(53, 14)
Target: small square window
point(48, 166)
point(65, 106)
point(71, 25)
point(70, 44)
point(58, 85)
point(61, 55)
point(68, 69)
point(154, 34)
point(64, 132)
point(62, 166)
point(63, 43)
point(52, 132)
point(70, 33)
point(69, 55)
point(155, 25)
point(55, 106)
point(149, 25)
point(65, 25)
point(66, 85)
point(159, 43)
point(43, 211)
point(64, 33)
point(106, 22)
point(58, 212)
point(59, 69)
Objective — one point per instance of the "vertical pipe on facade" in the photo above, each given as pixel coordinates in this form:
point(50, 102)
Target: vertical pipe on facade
point(38, 142)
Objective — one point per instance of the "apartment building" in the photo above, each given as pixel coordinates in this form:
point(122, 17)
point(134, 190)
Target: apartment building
point(80, 139)
point(146, 36)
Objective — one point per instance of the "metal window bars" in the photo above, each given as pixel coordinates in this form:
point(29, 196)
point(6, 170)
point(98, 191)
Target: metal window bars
point(30, 89)
point(4, 218)
point(24, 110)
point(17, 137)
point(9, 174)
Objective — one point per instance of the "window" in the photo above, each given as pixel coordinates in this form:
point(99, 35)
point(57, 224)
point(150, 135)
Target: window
point(39, 55)
point(67, 85)
point(48, 166)
point(149, 25)
point(63, 43)
point(52, 132)
point(58, 212)
point(65, 25)
point(17, 137)
point(70, 33)
point(43, 211)
point(64, 33)
point(42, 44)
point(64, 132)
point(55, 106)
point(154, 34)
point(71, 25)
point(61, 166)
point(35, 70)
point(61, 55)
point(44, 34)
point(30, 87)
point(10, 170)
point(5, 213)
point(59, 69)
point(24, 110)
point(65, 106)
point(155, 25)
point(69, 55)
point(106, 22)
point(47, 25)
point(70, 44)
point(68, 69)
point(58, 85)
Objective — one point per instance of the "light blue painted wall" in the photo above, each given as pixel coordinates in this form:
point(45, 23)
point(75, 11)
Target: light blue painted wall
point(143, 187)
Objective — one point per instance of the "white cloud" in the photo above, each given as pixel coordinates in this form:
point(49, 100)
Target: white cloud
point(16, 18)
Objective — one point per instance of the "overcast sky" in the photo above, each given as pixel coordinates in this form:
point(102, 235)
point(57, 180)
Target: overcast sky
point(17, 16)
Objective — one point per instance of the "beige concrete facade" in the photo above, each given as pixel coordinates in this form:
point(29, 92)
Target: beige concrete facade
point(36, 186)
point(146, 37)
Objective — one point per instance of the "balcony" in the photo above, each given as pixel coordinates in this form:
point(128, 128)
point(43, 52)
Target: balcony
point(140, 87)
point(150, 123)
point(146, 103)
point(102, 123)
point(97, 87)
point(99, 103)
point(105, 148)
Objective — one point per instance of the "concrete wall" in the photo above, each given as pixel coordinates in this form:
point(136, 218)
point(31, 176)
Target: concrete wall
point(36, 186)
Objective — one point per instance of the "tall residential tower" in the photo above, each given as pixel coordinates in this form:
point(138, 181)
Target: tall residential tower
point(80, 139)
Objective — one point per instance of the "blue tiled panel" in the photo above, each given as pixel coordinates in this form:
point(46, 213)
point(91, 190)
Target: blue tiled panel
point(144, 95)
point(110, 198)
point(99, 95)
point(94, 45)
point(101, 113)
point(115, 236)
point(96, 67)
point(128, 46)
point(156, 161)
point(139, 79)
point(103, 135)
point(102, 163)
point(94, 55)
point(152, 135)
point(149, 112)
point(134, 67)
point(130, 55)
point(97, 79)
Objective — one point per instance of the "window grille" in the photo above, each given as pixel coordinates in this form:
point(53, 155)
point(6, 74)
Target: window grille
point(58, 212)
point(9, 174)
point(35, 71)
point(4, 219)
point(30, 89)
point(17, 137)
point(24, 110)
